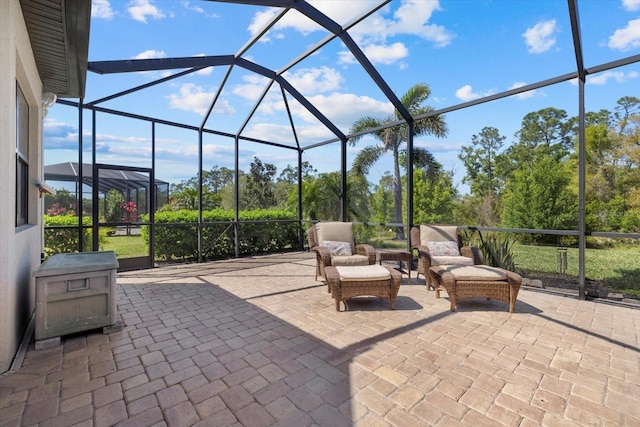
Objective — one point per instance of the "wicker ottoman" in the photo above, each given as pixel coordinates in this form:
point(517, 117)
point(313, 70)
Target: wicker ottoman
point(367, 280)
point(476, 281)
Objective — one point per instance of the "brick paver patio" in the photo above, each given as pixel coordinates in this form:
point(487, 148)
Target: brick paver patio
point(257, 342)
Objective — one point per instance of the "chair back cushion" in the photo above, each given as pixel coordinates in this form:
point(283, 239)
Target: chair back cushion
point(335, 232)
point(441, 240)
point(442, 233)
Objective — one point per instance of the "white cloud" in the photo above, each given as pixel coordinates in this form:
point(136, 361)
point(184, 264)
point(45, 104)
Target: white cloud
point(205, 71)
point(631, 5)
point(153, 54)
point(523, 95)
point(314, 80)
point(618, 76)
point(307, 81)
point(101, 9)
point(150, 54)
point(380, 54)
point(411, 18)
point(466, 93)
point(626, 38)
point(277, 133)
point(253, 87)
point(343, 109)
point(59, 135)
point(141, 9)
point(346, 57)
point(260, 19)
point(377, 54)
point(195, 99)
point(338, 10)
point(187, 5)
point(540, 38)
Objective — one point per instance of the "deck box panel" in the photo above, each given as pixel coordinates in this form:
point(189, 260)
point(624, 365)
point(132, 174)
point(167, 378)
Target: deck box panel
point(75, 293)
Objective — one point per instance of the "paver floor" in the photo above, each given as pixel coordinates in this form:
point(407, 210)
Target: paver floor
point(257, 342)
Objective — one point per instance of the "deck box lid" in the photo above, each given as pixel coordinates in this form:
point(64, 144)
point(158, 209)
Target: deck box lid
point(77, 263)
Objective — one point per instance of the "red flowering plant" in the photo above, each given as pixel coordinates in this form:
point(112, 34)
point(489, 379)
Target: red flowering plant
point(130, 210)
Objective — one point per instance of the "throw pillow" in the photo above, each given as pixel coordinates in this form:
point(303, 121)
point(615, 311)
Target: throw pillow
point(449, 248)
point(337, 248)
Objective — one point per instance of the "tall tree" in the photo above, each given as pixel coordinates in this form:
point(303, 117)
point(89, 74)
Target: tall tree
point(382, 199)
point(290, 173)
point(540, 197)
point(481, 160)
point(184, 195)
point(437, 197)
point(259, 192)
point(627, 105)
point(322, 197)
point(391, 139)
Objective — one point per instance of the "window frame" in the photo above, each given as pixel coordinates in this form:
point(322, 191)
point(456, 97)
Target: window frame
point(22, 158)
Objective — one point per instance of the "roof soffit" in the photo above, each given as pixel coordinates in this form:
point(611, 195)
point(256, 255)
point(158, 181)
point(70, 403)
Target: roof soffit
point(59, 35)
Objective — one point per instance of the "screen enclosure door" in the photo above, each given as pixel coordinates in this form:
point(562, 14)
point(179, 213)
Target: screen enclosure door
point(123, 206)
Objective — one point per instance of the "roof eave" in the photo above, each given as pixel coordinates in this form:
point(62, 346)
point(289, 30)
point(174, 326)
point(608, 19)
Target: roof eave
point(59, 35)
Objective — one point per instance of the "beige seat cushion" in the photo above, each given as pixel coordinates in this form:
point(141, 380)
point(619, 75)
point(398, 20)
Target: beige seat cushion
point(475, 273)
point(349, 260)
point(451, 260)
point(363, 273)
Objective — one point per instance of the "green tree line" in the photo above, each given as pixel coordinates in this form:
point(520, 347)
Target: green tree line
point(531, 182)
point(528, 182)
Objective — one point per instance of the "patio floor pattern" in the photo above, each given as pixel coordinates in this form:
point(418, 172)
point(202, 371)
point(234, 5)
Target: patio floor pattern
point(257, 342)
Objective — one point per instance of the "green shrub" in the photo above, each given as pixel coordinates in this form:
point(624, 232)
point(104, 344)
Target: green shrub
point(363, 233)
point(65, 240)
point(496, 248)
point(176, 233)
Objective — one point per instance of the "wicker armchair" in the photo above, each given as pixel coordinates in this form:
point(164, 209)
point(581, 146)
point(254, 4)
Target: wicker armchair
point(441, 245)
point(334, 245)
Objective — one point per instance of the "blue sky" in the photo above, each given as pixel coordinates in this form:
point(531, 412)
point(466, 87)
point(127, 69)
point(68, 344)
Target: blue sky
point(463, 49)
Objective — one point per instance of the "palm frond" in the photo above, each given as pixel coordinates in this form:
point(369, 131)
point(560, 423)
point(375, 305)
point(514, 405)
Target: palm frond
point(362, 124)
point(365, 159)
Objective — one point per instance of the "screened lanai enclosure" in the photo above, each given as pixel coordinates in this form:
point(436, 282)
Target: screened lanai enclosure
point(131, 189)
point(243, 122)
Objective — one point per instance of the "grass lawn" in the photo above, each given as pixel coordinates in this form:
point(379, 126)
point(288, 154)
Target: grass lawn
point(126, 246)
point(617, 268)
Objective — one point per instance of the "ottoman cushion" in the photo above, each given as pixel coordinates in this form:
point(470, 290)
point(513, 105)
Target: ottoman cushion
point(341, 260)
point(475, 273)
point(362, 273)
point(450, 260)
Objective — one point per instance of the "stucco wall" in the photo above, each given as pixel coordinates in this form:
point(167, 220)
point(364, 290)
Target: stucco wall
point(20, 247)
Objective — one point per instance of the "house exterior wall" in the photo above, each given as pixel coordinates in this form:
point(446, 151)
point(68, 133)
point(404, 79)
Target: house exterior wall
point(20, 247)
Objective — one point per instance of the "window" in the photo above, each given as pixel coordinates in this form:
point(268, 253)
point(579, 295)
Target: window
point(22, 157)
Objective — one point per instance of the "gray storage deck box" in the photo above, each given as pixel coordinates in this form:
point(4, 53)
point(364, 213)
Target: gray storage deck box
point(75, 292)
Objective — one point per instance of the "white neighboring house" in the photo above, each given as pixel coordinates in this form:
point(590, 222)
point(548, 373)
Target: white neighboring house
point(43, 51)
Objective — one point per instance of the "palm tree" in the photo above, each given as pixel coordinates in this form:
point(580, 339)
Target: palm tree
point(392, 139)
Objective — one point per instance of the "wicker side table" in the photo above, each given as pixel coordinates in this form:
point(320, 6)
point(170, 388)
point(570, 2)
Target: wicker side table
point(476, 281)
point(398, 256)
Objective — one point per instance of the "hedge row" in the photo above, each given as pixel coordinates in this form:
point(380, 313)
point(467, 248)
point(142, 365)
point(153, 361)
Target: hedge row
point(259, 232)
point(64, 240)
